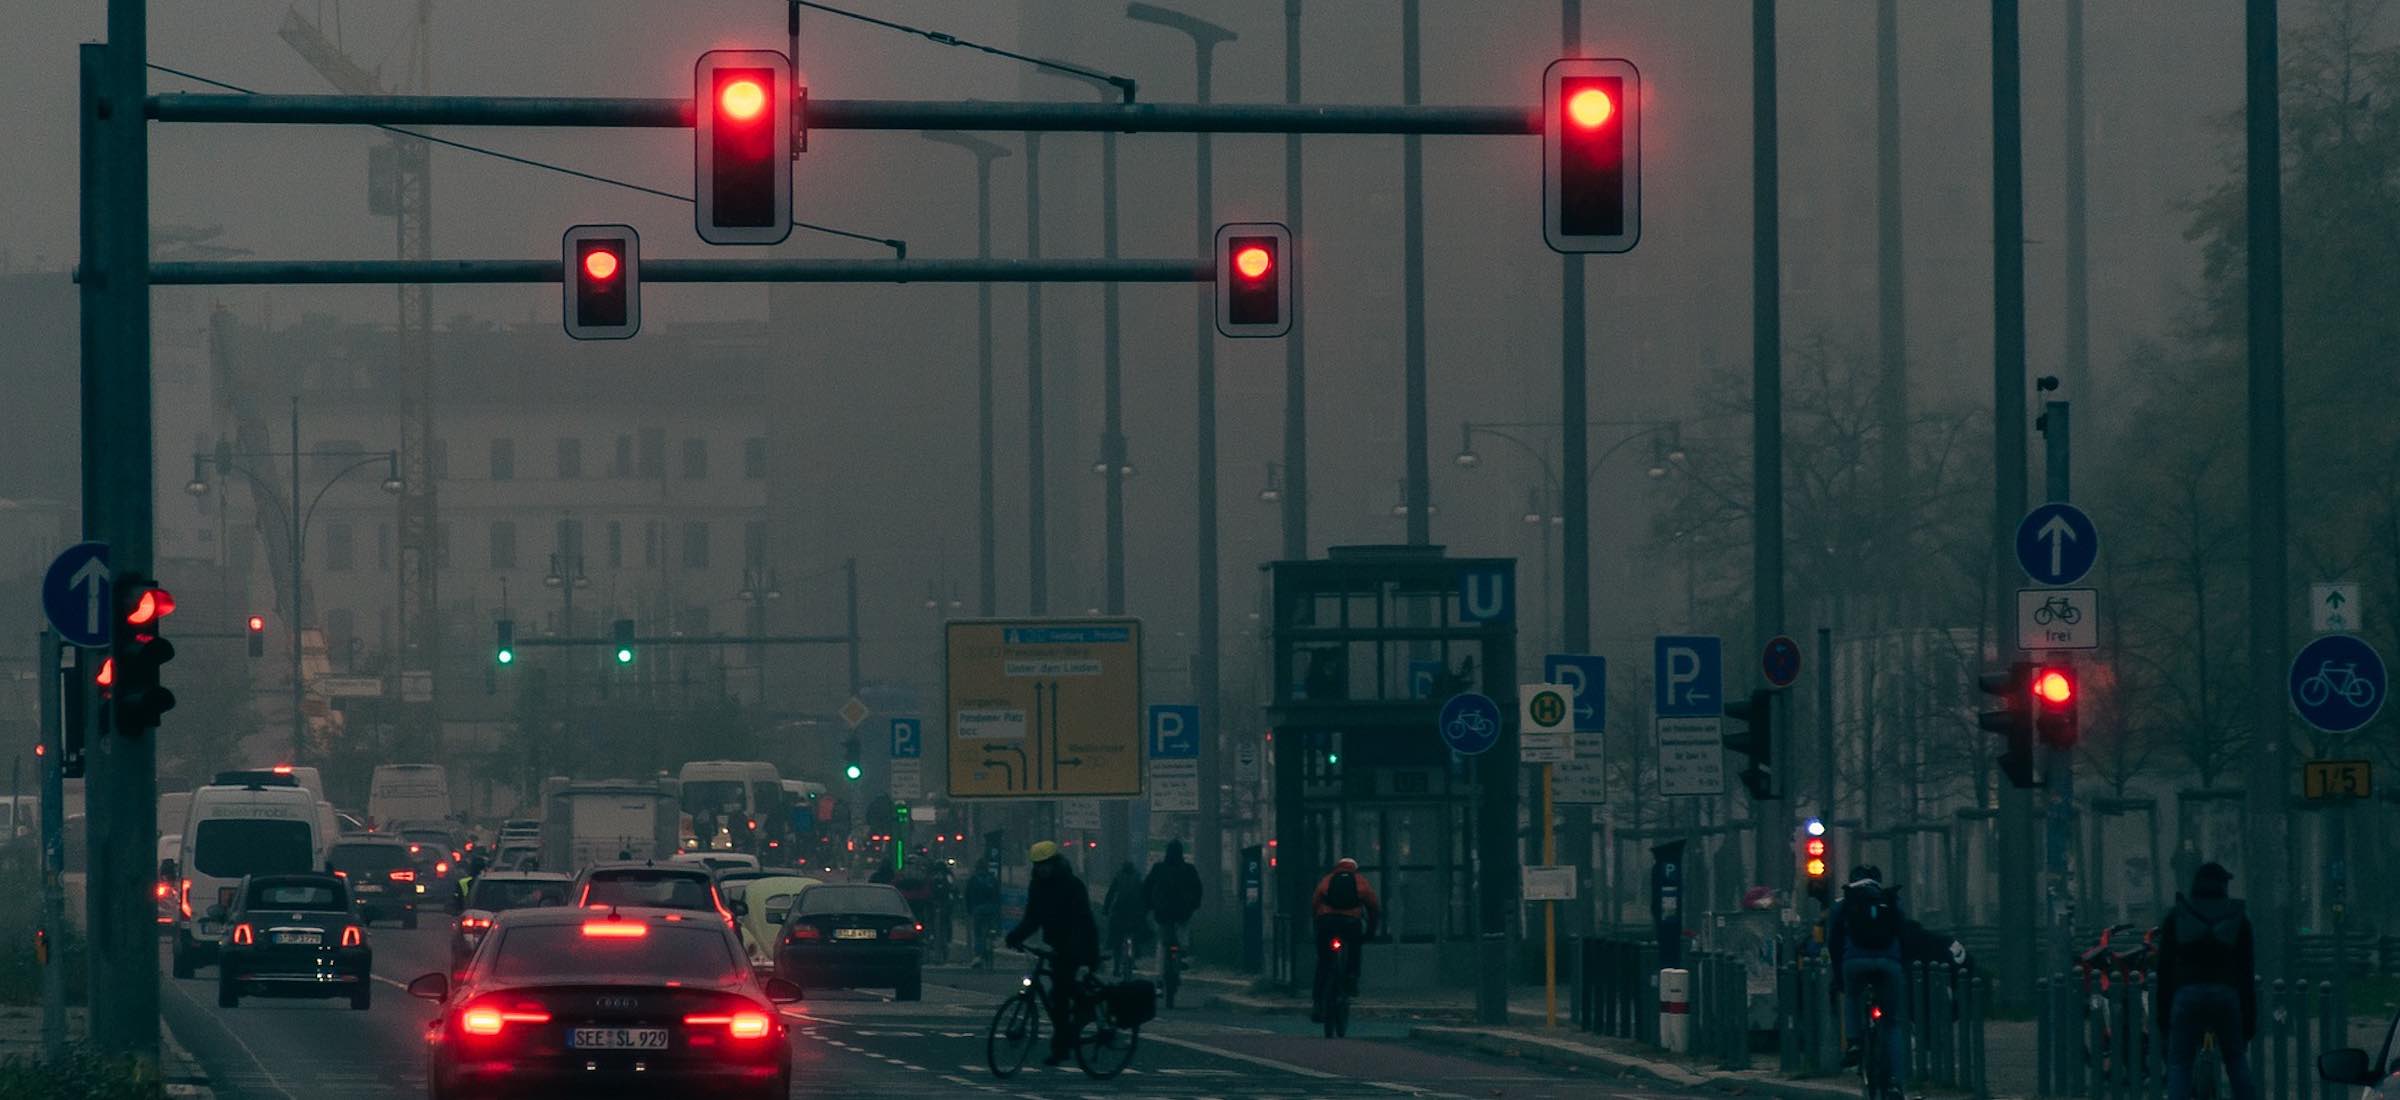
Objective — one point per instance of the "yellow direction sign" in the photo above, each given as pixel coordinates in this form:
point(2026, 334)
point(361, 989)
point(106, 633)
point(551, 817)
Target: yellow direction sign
point(1045, 708)
point(2332, 780)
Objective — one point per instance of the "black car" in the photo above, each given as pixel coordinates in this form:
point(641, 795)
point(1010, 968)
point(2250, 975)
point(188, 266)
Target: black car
point(383, 880)
point(558, 999)
point(498, 892)
point(851, 935)
point(652, 885)
point(293, 936)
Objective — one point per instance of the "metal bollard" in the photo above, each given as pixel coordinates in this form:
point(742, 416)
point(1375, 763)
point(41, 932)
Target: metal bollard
point(2279, 1015)
point(1645, 1003)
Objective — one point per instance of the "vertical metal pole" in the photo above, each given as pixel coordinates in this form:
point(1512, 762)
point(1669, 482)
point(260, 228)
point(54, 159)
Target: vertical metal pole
point(1549, 908)
point(1037, 489)
point(2058, 765)
point(1412, 278)
point(1574, 441)
point(1827, 764)
point(122, 784)
point(2266, 835)
point(1890, 271)
point(2017, 918)
point(2076, 364)
point(53, 687)
point(850, 614)
point(299, 562)
point(1209, 845)
point(987, 545)
point(1112, 396)
point(1766, 414)
point(1295, 343)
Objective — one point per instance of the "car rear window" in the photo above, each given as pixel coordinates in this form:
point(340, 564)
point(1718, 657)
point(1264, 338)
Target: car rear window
point(368, 857)
point(496, 896)
point(429, 837)
point(231, 847)
point(696, 954)
point(880, 901)
point(298, 895)
point(658, 889)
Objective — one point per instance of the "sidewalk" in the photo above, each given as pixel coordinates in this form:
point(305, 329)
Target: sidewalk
point(1234, 991)
point(21, 1037)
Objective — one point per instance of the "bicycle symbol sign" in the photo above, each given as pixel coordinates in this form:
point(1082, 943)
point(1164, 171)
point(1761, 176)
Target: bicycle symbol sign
point(2338, 683)
point(1470, 723)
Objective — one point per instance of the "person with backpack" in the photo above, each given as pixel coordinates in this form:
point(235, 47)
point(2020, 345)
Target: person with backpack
point(2207, 984)
point(1863, 940)
point(1346, 908)
point(1172, 891)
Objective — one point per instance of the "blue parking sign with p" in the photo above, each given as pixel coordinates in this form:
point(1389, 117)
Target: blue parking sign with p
point(1688, 675)
point(1174, 731)
point(1587, 676)
point(908, 738)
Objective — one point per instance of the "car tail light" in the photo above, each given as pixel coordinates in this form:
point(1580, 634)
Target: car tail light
point(164, 890)
point(415, 848)
point(741, 1025)
point(341, 874)
point(440, 867)
point(242, 936)
point(490, 1019)
point(185, 902)
point(615, 929)
point(453, 855)
point(904, 931)
point(352, 937)
point(404, 876)
point(474, 924)
point(803, 932)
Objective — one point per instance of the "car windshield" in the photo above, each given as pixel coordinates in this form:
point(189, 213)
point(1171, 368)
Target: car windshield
point(659, 889)
point(233, 847)
point(298, 895)
point(692, 954)
point(497, 895)
point(714, 795)
point(355, 858)
point(880, 901)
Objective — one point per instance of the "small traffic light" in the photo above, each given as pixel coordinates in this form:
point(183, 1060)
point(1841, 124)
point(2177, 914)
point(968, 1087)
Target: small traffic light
point(2013, 721)
point(1255, 274)
point(742, 147)
point(256, 627)
point(850, 769)
point(504, 641)
point(602, 273)
point(622, 632)
point(2056, 716)
point(1755, 740)
point(1591, 155)
point(131, 674)
point(900, 812)
point(1816, 862)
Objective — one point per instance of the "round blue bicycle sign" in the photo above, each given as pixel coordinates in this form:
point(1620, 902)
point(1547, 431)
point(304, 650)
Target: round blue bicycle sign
point(1470, 723)
point(2338, 683)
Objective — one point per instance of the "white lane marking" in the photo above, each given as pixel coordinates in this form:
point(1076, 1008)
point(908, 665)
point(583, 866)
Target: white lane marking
point(1264, 1063)
point(261, 1063)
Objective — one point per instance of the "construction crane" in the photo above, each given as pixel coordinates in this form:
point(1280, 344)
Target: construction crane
point(400, 184)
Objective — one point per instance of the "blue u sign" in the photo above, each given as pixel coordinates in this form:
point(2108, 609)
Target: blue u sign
point(1487, 593)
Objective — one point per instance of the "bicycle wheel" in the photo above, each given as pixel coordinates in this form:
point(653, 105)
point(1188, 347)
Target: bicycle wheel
point(1170, 976)
point(1016, 1028)
point(1871, 1070)
point(1103, 1048)
point(2315, 690)
point(1337, 1013)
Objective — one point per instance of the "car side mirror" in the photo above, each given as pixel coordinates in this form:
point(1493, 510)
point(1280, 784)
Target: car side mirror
point(782, 992)
point(2347, 1066)
point(432, 987)
point(215, 912)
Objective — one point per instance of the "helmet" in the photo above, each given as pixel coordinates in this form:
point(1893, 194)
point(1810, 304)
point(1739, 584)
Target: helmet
point(1345, 864)
point(1042, 852)
point(1866, 872)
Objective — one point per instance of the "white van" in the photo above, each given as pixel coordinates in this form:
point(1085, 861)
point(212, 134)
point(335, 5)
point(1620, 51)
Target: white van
point(407, 792)
point(267, 826)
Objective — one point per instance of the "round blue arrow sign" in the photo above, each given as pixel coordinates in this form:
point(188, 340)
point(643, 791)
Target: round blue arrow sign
point(2338, 683)
point(1781, 661)
point(75, 595)
point(2057, 544)
point(1470, 723)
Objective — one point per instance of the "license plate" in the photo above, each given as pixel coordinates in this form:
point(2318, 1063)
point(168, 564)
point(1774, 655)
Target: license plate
point(299, 937)
point(618, 1038)
point(369, 888)
point(211, 927)
point(854, 933)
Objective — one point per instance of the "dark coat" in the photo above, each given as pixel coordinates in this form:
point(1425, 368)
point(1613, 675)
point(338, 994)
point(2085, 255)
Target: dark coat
point(1059, 908)
point(2192, 950)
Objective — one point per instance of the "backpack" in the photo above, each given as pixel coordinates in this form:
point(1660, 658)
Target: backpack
point(1341, 891)
point(2195, 931)
point(1871, 919)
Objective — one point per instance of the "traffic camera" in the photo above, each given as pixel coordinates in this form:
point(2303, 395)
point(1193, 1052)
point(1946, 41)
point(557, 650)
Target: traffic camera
point(137, 653)
point(1591, 155)
point(1255, 273)
point(2013, 721)
point(602, 272)
point(742, 146)
point(1754, 739)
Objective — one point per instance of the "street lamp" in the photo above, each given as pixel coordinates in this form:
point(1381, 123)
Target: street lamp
point(987, 526)
point(1273, 490)
point(1466, 458)
point(1400, 505)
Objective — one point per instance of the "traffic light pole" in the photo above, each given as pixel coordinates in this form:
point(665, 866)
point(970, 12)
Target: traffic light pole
point(53, 686)
point(1771, 838)
point(2017, 918)
point(2266, 830)
point(2058, 763)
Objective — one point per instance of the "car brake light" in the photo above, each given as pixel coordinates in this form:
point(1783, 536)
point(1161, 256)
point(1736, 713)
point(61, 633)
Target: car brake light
point(904, 931)
point(741, 1025)
point(164, 890)
point(440, 867)
point(486, 1020)
point(804, 932)
point(341, 874)
point(415, 848)
point(615, 929)
point(242, 936)
point(474, 924)
point(352, 937)
point(185, 902)
point(453, 855)
point(404, 876)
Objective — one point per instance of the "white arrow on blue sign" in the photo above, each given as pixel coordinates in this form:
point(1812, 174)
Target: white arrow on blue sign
point(908, 738)
point(2338, 683)
point(1587, 676)
point(75, 595)
point(2057, 543)
point(1688, 675)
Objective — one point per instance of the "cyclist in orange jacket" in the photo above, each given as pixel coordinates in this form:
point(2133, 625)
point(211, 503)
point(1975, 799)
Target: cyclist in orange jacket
point(1347, 909)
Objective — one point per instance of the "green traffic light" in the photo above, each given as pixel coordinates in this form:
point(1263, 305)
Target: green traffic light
point(624, 656)
point(1333, 758)
point(506, 656)
point(852, 771)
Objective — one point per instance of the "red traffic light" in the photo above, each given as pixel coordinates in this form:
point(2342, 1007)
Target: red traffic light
point(1591, 155)
point(600, 263)
point(1815, 847)
point(601, 267)
point(108, 672)
point(1253, 262)
point(257, 624)
point(742, 146)
point(153, 604)
point(1254, 279)
point(2054, 686)
point(1590, 108)
point(741, 98)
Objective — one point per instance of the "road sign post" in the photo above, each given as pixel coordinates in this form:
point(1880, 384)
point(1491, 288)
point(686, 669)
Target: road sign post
point(2057, 543)
point(1779, 662)
point(2058, 618)
point(1688, 704)
point(2333, 607)
point(1044, 708)
point(76, 596)
point(2338, 683)
point(1470, 723)
point(1175, 758)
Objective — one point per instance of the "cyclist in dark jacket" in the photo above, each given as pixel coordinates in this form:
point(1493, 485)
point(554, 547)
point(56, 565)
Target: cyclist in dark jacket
point(1864, 939)
point(1059, 908)
point(1172, 891)
point(2207, 984)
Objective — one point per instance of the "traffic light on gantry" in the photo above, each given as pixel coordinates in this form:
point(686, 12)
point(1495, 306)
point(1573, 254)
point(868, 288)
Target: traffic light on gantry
point(255, 628)
point(1255, 271)
point(1816, 861)
point(1591, 155)
point(504, 642)
point(742, 149)
point(1753, 737)
point(622, 634)
point(137, 654)
point(2014, 721)
point(601, 268)
point(2056, 717)
point(850, 769)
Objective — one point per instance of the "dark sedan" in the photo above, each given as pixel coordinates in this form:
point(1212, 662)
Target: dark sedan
point(382, 878)
point(652, 885)
point(497, 892)
point(848, 935)
point(293, 936)
point(583, 1000)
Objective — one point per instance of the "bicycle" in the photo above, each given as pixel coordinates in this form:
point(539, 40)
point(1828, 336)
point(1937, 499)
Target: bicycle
point(1122, 965)
point(1334, 990)
point(1170, 962)
point(2332, 679)
point(1874, 1071)
point(2058, 608)
point(1107, 1030)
